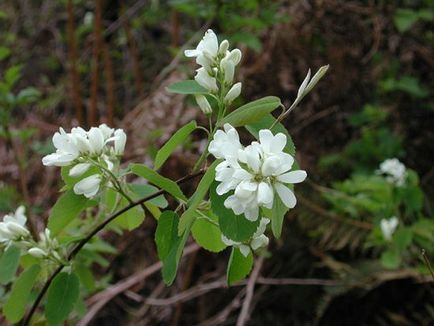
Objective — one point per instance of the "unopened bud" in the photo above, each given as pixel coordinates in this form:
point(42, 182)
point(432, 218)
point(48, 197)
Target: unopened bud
point(233, 93)
point(228, 69)
point(235, 56)
point(37, 252)
point(224, 45)
point(17, 229)
point(203, 104)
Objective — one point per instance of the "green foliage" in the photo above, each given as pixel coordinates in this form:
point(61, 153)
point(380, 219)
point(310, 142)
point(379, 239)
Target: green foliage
point(206, 232)
point(14, 307)
point(278, 215)
point(407, 84)
point(186, 87)
point(169, 245)
point(164, 183)
point(196, 199)
point(9, 261)
point(404, 19)
point(234, 227)
point(177, 139)
point(67, 208)
point(61, 297)
point(238, 266)
point(251, 112)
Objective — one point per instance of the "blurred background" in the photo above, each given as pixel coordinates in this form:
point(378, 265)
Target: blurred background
point(82, 62)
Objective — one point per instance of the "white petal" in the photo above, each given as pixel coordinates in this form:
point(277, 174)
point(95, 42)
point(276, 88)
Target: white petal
point(278, 143)
point(192, 53)
point(88, 187)
point(265, 193)
point(259, 242)
point(271, 165)
point(96, 139)
point(293, 177)
point(285, 194)
point(252, 212)
point(245, 250)
point(79, 169)
point(120, 141)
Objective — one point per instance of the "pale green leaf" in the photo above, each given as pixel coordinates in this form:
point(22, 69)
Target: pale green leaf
point(177, 139)
point(238, 266)
point(186, 87)
point(9, 261)
point(207, 234)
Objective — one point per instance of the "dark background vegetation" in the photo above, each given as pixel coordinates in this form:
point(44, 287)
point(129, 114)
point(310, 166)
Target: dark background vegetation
point(109, 61)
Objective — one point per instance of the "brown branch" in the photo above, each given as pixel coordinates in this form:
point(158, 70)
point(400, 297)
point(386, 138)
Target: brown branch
point(110, 82)
point(244, 314)
point(72, 58)
point(98, 228)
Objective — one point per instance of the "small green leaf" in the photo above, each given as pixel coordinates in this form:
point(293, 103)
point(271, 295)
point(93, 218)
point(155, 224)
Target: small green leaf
point(391, 258)
point(131, 219)
point(8, 264)
point(153, 177)
point(67, 208)
point(28, 95)
point(61, 298)
point(187, 218)
point(4, 52)
point(234, 227)
point(186, 87)
point(402, 238)
point(167, 233)
point(251, 112)
point(207, 234)
point(144, 190)
point(12, 75)
point(15, 306)
point(278, 214)
point(265, 123)
point(170, 246)
point(238, 266)
point(177, 138)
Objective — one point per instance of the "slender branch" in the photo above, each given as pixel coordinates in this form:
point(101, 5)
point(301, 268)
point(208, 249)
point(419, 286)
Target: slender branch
point(425, 258)
point(244, 314)
point(98, 228)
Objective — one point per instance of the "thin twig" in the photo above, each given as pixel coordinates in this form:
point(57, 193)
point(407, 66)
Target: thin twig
point(244, 314)
point(427, 263)
point(98, 228)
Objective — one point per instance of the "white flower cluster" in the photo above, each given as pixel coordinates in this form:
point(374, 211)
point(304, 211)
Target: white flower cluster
point(259, 239)
point(394, 171)
point(13, 227)
point(388, 227)
point(13, 230)
point(255, 173)
point(81, 149)
point(217, 71)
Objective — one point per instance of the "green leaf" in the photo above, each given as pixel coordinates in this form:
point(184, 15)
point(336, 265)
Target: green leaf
point(177, 138)
point(167, 233)
point(15, 306)
point(234, 227)
point(187, 218)
point(67, 208)
point(207, 234)
point(265, 123)
point(186, 87)
point(251, 112)
point(153, 177)
point(402, 238)
point(170, 246)
point(4, 52)
point(28, 95)
point(278, 214)
point(391, 258)
point(61, 298)
point(404, 19)
point(8, 264)
point(238, 266)
point(12, 75)
point(131, 219)
point(144, 190)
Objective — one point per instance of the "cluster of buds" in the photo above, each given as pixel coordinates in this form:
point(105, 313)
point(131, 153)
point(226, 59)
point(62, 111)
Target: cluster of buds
point(217, 70)
point(13, 231)
point(80, 149)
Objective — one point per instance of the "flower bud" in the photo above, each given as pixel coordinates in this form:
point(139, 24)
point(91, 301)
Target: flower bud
point(235, 56)
point(88, 186)
point(17, 229)
point(96, 139)
point(233, 93)
point(37, 252)
point(79, 169)
point(120, 141)
point(228, 68)
point(224, 46)
point(205, 80)
point(203, 104)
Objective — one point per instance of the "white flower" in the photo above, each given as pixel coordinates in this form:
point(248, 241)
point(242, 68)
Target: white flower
point(37, 252)
point(394, 170)
point(258, 240)
point(255, 173)
point(203, 104)
point(233, 93)
point(47, 247)
point(120, 141)
point(66, 150)
point(13, 227)
point(88, 186)
point(79, 169)
point(204, 79)
point(106, 131)
point(388, 227)
point(208, 45)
